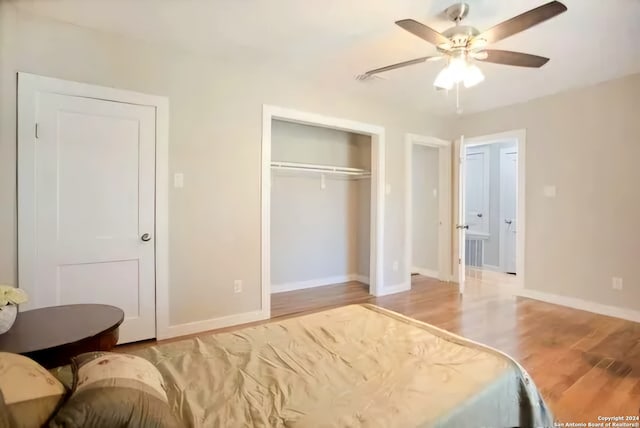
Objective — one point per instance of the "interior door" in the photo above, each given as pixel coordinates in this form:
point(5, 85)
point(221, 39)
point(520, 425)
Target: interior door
point(477, 190)
point(508, 210)
point(94, 208)
point(462, 226)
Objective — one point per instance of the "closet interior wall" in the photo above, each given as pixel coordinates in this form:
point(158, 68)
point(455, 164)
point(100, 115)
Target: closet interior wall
point(320, 227)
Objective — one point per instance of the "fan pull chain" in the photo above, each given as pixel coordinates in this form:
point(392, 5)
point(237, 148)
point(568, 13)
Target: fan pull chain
point(458, 106)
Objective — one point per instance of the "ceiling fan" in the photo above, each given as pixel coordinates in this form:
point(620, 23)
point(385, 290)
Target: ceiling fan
point(461, 44)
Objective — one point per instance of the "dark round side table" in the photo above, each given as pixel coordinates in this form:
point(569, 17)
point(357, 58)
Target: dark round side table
point(52, 336)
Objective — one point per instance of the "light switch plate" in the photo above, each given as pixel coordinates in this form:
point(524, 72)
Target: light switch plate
point(550, 191)
point(178, 180)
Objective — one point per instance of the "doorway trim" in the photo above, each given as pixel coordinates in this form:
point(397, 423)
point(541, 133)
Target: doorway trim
point(29, 85)
point(444, 203)
point(520, 137)
point(377, 134)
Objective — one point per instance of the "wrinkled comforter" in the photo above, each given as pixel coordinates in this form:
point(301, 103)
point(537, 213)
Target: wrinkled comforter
point(354, 366)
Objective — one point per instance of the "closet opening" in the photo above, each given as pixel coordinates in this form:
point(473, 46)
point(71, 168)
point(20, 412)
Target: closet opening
point(322, 209)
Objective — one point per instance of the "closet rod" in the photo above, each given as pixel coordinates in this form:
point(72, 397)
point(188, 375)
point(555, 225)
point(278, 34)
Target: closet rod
point(327, 169)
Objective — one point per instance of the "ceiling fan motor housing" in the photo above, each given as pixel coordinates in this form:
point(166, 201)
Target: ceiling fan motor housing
point(460, 35)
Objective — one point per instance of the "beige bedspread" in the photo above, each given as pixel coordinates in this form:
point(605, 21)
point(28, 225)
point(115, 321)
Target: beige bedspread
point(354, 366)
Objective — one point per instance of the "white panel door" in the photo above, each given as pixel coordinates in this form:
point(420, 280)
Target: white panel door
point(477, 190)
point(461, 226)
point(508, 203)
point(94, 208)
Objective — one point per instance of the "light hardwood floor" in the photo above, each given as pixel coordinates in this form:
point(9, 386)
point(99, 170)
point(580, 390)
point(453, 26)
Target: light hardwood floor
point(585, 365)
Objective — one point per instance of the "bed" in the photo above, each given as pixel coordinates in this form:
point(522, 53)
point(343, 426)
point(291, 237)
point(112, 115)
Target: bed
point(357, 365)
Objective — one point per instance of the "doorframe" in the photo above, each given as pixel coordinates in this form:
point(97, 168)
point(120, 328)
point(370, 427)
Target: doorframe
point(29, 85)
point(520, 137)
point(444, 203)
point(502, 237)
point(377, 134)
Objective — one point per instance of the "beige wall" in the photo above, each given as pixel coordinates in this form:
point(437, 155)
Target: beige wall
point(316, 232)
point(586, 143)
point(426, 179)
point(294, 142)
point(215, 132)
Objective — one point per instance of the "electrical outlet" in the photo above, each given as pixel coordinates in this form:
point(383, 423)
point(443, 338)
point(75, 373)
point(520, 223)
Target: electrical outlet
point(616, 283)
point(396, 265)
point(237, 286)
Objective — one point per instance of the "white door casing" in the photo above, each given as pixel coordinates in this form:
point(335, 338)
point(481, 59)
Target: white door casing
point(87, 195)
point(508, 209)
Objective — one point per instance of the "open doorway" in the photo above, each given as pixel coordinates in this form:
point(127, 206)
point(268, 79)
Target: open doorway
point(428, 207)
point(491, 209)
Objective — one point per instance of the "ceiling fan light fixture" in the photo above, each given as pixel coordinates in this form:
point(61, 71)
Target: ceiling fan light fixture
point(473, 76)
point(444, 79)
point(458, 70)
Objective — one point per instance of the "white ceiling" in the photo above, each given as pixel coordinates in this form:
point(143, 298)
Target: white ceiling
point(331, 41)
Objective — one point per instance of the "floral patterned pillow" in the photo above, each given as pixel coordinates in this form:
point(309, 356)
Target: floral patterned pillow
point(29, 394)
point(111, 390)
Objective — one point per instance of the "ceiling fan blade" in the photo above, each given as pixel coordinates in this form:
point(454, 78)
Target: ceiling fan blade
point(522, 22)
point(400, 65)
point(518, 59)
point(424, 32)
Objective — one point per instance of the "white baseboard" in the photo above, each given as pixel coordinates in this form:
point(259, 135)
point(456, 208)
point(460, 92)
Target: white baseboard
point(425, 272)
point(491, 268)
point(393, 289)
point(320, 282)
point(360, 278)
point(212, 324)
point(584, 305)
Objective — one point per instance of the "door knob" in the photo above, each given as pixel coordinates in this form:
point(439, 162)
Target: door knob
point(508, 221)
point(460, 226)
point(146, 237)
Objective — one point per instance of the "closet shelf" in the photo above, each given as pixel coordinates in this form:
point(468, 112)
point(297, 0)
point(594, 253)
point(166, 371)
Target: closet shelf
point(324, 169)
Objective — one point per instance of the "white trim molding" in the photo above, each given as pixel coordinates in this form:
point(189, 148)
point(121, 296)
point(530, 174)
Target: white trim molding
point(320, 282)
point(213, 324)
point(444, 204)
point(29, 85)
point(397, 288)
point(377, 134)
point(430, 273)
point(583, 305)
point(520, 137)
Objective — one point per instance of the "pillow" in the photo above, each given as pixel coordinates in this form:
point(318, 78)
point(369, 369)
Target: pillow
point(29, 394)
point(115, 390)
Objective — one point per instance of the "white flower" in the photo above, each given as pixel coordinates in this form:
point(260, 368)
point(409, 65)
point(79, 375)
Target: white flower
point(12, 295)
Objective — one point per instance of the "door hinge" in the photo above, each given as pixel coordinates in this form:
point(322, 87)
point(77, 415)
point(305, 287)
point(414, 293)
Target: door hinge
point(37, 136)
point(459, 261)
